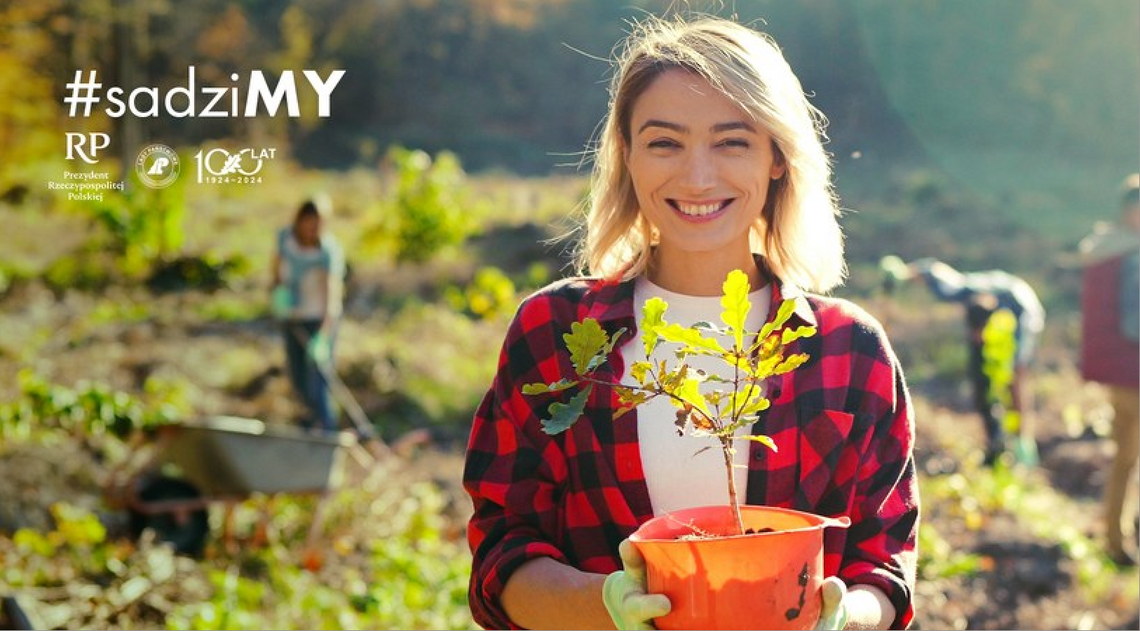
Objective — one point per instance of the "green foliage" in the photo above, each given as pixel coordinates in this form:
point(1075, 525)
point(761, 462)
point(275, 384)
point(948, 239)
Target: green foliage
point(971, 497)
point(937, 559)
point(392, 558)
point(490, 295)
point(89, 408)
point(209, 271)
point(999, 349)
point(143, 225)
point(427, 205)
point(444, 374)
point(737, 401)
point(393, 565)
point(388, 562)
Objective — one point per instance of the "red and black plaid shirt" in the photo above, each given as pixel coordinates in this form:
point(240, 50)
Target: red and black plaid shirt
point(843, 424)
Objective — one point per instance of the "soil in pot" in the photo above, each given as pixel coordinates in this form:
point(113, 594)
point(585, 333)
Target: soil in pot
point(717, 580)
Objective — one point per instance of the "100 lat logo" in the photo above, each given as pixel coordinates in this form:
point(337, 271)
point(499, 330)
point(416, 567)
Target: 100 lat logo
point(220, 166)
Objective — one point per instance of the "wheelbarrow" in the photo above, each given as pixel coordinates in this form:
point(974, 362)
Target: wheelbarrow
point(226, 459)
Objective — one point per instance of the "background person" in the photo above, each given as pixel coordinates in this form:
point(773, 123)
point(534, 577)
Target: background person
point(1110, 353)
point(710, 160)
point(308, 287)
point(982, 294)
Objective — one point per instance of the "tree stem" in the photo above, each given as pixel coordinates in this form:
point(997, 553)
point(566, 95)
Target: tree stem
point(726, 450)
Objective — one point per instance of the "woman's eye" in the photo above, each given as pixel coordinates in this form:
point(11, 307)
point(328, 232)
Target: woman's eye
point(734, 143)
point(663, 143)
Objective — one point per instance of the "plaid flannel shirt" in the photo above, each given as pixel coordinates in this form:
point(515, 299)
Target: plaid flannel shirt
point(843, 424)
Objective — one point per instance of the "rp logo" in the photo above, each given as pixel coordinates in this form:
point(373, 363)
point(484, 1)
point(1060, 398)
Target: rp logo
point(86, 146)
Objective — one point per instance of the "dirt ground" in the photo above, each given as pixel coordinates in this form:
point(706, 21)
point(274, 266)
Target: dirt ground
point(1023, 580)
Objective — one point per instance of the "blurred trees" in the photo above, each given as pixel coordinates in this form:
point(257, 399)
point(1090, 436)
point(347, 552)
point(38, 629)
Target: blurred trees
point(520, 84)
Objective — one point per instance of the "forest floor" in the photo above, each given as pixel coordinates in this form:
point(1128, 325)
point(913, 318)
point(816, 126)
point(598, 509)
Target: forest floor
point(1009, 548)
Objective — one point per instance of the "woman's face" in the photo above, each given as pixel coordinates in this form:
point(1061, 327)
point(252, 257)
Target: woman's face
point(700, 165)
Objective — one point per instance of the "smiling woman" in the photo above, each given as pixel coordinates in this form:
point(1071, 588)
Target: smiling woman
point(702, 183)
point(710, 160)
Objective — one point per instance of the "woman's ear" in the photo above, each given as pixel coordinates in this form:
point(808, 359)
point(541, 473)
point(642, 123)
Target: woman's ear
point(779, 165)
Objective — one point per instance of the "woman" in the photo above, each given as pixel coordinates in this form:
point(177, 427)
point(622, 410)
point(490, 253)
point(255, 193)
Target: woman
point(710, 160)
point(308, 276)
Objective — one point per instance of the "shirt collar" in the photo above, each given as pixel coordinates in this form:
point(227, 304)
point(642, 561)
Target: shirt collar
point(614, 298)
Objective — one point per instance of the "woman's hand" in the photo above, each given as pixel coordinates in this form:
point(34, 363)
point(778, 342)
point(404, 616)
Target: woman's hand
point(624, 593)
point(833, 614)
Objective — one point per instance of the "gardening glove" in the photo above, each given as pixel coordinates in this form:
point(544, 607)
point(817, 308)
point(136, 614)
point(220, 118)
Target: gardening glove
point(281, 302)
point(318, 348)
point(833, 614)
point(624, 593)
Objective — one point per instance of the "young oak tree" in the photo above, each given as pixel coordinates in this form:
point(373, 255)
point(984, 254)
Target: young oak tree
point(739, 394)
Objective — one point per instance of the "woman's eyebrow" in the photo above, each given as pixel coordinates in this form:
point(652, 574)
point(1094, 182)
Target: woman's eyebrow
point(733, 126)
point(682, 129)
point(653, 122)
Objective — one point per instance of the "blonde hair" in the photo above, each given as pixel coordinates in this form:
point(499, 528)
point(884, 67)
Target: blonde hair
point(798, 231)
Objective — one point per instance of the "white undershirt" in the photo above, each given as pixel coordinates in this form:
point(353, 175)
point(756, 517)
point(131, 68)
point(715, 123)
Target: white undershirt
point(686, 471)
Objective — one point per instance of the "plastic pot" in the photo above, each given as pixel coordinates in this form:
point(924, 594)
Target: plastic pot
point(769, 579)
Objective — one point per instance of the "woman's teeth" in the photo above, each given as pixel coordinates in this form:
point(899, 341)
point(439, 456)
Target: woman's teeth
point(698, 210)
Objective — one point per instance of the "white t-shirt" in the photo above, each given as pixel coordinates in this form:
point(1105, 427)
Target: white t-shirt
point(314, 275)
point(686, 471)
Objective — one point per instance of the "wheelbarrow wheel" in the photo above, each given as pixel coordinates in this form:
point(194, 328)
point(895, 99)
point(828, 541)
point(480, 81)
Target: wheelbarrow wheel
point(187, 531)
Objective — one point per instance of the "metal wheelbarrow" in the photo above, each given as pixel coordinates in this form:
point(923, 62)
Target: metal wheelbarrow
point(226, 459)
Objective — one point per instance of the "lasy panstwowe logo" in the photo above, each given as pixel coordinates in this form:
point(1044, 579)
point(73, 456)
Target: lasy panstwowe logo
point(157, 166)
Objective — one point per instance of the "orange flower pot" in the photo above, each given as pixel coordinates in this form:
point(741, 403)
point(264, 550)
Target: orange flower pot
point(763, 580)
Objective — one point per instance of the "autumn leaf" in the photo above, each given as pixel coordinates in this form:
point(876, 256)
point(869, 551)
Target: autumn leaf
point(543, 388)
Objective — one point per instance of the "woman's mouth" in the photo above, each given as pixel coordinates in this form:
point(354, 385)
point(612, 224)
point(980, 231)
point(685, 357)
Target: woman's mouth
point(698, 212)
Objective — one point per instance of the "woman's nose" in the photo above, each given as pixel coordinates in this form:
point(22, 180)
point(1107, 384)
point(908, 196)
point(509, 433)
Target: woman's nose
point(700, 170)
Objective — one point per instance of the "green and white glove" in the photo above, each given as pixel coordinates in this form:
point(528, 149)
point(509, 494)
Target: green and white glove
point(624, 593)
point(833, 614)
point(281, 302)
point(318, 348)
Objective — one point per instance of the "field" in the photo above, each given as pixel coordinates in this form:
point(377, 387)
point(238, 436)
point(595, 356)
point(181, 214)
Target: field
point(82, 321)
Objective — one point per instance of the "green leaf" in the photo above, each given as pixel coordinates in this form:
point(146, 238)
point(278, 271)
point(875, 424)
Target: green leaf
point(543, 388)
point(653, 317)
point(736, 305)
point(609, 347)
point(762, 439)
point(756, 406)
point(586, 341)
point(640, 372)
point(790, 363)
point(690, 338)
point(787, 307)
point(563, 415)
point(744, 398)
point(630, 399)
point(600, 358)
point(767, 367)
point(689, 392)
point(790, 335)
